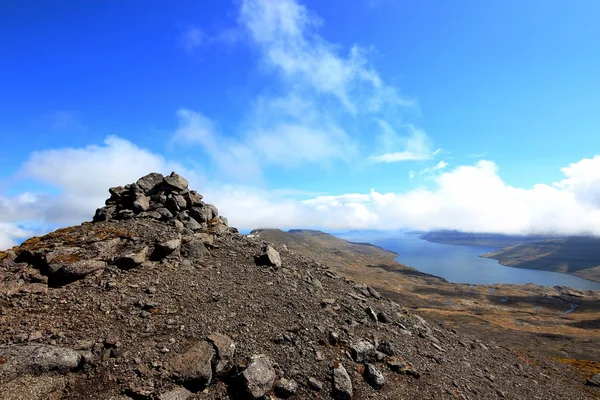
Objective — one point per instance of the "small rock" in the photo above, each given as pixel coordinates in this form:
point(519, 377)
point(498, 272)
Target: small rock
point(141, 203)
point(374, 293)
point(176, 182)
point(594, 380)
point(402, 367)
point(382, 317)
point(225, 349)
point(371, 313)
point(132, 260)
point(148, 184)
point(286, 388)
point(362, 351)
point(386, 348)
point(193, 369)
point(259, 377)
point(165, 248)
point(342, 385)
point(179, 393)
point(315, 384)
point(373, 376)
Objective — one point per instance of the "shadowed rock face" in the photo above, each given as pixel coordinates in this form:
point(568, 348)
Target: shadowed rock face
point(145, 304)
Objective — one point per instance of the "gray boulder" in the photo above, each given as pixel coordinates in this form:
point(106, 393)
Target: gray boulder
point(132, 259)
point(259, 378)
point(35, 359)
point(269, 256)
point(141, 203)
point(149, 183)
point(176, 182)
point(66, 273)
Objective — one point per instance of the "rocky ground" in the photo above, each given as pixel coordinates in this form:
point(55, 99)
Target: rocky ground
point(145, 304)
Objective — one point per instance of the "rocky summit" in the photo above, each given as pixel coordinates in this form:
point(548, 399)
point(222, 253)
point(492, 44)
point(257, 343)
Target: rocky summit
point(158, 298)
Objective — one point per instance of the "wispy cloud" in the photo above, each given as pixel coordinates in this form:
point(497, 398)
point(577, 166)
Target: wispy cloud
point(323, 101)
point(191, 39)
point(414, 147)
point(438, 167)
point(67, 120)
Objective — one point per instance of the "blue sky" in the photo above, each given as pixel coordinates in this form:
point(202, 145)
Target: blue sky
point(358, 114)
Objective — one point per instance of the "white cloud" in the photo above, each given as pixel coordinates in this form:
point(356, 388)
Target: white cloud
point(415, 147)
point(11, 234)
point(191, 39)
point(583, 179)
point(471, 198)
point(82, 177)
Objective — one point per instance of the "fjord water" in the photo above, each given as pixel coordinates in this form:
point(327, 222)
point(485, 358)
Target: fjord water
point(461, 263)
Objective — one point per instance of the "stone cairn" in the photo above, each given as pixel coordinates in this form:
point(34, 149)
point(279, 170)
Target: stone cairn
point(163, 198)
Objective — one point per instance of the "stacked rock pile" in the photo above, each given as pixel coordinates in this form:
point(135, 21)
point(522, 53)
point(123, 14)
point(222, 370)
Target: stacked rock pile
point(163, 198)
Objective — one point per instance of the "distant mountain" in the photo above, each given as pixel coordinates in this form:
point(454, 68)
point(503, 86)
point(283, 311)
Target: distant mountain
point(576, 255)
point(481, 239)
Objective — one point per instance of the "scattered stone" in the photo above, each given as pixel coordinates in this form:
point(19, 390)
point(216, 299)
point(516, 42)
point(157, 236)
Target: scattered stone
point(193, 369)
point(269, 256)
point(165, 248)
point(315, 384)
point(179, 393)
point(386, 348)
point(342, 385)
point(594, 380)
point(141, 203)
point(133, 259)
point(374, 293)
point(259, 377)
point(286, 388)
point(371, 313)
point(224, 349)
point(402, 367)
point(373, 376)
point(382, 317)
point(362, 351)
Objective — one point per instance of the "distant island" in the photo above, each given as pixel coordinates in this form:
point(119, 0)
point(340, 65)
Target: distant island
point(481, 239)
